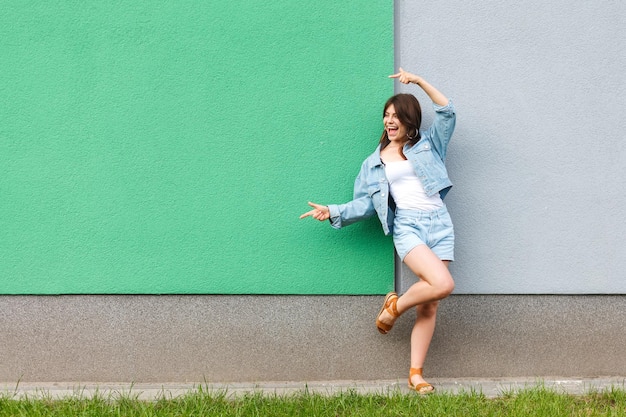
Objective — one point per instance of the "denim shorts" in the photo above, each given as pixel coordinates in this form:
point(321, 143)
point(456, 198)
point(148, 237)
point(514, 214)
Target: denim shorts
point(412, 228)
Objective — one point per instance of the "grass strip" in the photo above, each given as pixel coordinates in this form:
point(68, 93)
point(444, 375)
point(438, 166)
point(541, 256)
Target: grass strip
point(536, 401)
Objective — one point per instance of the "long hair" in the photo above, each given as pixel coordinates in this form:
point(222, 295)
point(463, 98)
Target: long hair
point(410, 115)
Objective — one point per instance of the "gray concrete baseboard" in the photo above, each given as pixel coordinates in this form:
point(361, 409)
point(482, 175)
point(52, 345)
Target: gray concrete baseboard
point(225, 339)
point(150, 392)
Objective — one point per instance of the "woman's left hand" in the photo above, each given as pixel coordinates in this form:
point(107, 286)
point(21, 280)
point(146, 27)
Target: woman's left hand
point(435, 95)
point(406, 77)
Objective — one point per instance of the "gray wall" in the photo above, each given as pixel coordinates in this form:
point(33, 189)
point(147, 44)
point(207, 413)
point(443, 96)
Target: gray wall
point(538, 206)
point(276, 338)
point(538, 155)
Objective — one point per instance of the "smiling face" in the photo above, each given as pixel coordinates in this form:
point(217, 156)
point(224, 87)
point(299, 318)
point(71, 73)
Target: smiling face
point(396, 131)
point(402, 117)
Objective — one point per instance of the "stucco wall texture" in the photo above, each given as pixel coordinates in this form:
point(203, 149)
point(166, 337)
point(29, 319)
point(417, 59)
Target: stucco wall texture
point(538, 155)
point(198, 339)
point(170, 148)
point(537, 166)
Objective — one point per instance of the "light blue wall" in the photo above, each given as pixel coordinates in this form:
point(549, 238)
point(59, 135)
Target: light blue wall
point(538, 156)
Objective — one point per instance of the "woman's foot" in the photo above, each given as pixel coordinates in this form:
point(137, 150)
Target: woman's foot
point(417, 383)
point(388, 313)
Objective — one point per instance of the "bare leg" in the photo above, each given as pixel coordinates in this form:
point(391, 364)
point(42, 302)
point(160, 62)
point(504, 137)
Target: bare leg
point(435, 281)
point(435, 284)
point(422, 335)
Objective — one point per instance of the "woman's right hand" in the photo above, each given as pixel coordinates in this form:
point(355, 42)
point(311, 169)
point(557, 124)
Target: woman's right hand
point(319, 212)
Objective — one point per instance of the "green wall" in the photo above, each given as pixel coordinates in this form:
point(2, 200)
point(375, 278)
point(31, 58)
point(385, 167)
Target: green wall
point(169, 147)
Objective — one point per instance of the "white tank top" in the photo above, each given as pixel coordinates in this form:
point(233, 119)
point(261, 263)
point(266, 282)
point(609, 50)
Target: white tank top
point(407, 189)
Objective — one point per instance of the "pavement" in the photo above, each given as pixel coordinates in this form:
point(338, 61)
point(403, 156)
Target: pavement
point(153, 391)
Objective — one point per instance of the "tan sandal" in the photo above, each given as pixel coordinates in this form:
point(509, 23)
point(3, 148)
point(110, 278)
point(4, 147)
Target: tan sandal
point(390, 306)
point(424, 387)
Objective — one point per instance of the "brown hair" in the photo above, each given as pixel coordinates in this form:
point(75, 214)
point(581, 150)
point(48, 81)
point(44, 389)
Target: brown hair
point(410, 115)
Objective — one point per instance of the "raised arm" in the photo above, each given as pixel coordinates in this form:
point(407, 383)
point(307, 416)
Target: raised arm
point(435, 95)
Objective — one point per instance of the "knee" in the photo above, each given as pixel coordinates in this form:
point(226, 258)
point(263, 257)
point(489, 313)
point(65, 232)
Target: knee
point(428, 309)
point(445, 288)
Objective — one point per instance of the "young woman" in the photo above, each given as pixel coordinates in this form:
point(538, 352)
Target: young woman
point(404, 182)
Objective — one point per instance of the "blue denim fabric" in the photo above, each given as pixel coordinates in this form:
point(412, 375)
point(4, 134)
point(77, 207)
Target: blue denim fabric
point(371, 188)
point(431, 228)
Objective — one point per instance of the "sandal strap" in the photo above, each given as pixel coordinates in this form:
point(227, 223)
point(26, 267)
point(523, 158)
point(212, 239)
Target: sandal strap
point(423, 387)
point(392, 307)
point(420, 388)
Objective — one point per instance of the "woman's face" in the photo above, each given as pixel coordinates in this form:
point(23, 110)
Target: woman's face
point(395, 129)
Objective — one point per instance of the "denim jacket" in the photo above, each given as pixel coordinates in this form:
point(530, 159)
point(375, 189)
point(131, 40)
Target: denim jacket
point(371, 188)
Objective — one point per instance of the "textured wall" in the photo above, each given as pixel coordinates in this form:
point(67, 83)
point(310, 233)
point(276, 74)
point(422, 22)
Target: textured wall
point(302, 338)
point(514, 112)
point(538, 156)
point(170, 147)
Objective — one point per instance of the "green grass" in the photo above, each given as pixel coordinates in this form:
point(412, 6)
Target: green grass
point(536, 401)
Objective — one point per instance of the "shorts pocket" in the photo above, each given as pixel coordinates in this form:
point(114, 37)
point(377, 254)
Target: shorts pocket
point(445, 219)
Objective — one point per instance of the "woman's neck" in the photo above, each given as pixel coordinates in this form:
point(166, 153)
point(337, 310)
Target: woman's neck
point(393, 152)
point(397, 146)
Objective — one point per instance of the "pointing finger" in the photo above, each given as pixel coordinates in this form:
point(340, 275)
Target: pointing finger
point(316, 206)
point(307, 214)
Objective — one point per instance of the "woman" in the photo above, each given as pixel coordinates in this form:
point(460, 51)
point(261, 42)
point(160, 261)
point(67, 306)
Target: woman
point(404, 182)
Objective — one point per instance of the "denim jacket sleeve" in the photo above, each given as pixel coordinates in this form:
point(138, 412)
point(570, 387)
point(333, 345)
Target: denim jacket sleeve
point(440, 132)
point(361, 207)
